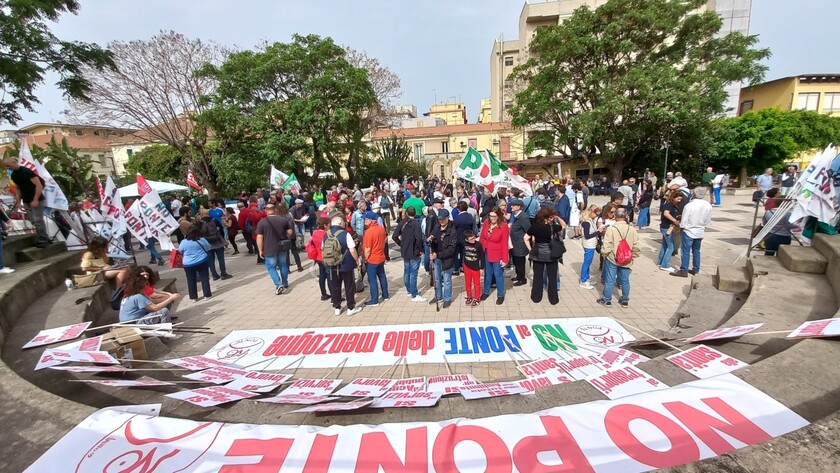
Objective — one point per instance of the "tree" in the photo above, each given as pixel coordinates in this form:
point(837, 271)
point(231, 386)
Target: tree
point(619, 81)
point(158, 162)
point(767, 138)
point(155, 89)
point(393, 158)
point(28, 50)
point(287, 104)
point(73, 173)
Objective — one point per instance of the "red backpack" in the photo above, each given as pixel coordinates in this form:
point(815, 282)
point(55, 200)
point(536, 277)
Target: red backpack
point(623, 253)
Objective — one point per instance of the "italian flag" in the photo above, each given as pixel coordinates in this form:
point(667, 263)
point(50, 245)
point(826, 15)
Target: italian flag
point(292, 183)
point(507, 177)
point(486, 170)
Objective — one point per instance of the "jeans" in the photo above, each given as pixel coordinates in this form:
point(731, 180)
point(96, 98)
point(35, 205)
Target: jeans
point(544, 272)
point(150, 244)
point(410, 269)
point(195, 273)
point(217, 254)
point(644, 217)
point(300, 229)
point(443, 282)
point(426, 257)
point(36, 217)
point(611, 270)
point(281, 260)
point(322, 278)
point(717, 196)
point(690, 248)
point(494, 270)
point(588, 256)
point(666, 250)
point(374, 272)
point(773, 242)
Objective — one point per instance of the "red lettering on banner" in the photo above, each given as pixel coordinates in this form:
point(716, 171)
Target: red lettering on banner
point(275, 345)
point(523, 331)
point(705, 426)
point(338, 342)
point(557, 439)
point(495, 450)
point(322, 350)
point(321, 453)
point(351, 342)
point(375, 451)
point(815, 328)
point(683, 448)
point(400, 342)
point(272, 451)
point(697, 358)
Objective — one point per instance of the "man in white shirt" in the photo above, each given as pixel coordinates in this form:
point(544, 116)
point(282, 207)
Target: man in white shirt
point(679, 180)
point(696, 216)
point(176, 207)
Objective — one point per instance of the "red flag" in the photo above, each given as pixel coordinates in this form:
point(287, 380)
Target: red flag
point(100, 189)
point(191, 180)
point(143, 187)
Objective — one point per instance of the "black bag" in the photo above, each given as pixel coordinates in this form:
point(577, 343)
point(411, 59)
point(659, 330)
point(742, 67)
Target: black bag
point(116, 297)
point(558, 248)
point(286, 245)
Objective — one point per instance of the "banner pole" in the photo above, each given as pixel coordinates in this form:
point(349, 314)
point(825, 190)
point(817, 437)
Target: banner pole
point(448, 369)
point(648, 335)
point(392, 367)
point(404, 368)
point(341, 365)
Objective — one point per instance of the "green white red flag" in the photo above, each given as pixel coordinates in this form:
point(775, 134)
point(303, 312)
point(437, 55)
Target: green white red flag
point(292, 183)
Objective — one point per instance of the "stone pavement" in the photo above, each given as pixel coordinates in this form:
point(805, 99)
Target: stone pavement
point(248, 301)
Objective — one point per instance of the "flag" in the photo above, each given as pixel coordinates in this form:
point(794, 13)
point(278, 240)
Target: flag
point(112, 210)
point(99, 188)
point(816, 196)
point(476, 168)
point(158, 220)
point(143, 186)
point(53, 194)
point(292, 183)
point(507, 177)
point(191, 180)
point(277, 178)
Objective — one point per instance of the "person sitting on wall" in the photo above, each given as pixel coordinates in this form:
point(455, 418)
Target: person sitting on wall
point(96, 259)
point(136, 306)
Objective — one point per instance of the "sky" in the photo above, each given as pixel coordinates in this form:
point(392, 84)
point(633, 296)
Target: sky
point(440, 49)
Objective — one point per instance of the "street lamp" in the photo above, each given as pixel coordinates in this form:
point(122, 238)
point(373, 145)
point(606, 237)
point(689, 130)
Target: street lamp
point(667, 145)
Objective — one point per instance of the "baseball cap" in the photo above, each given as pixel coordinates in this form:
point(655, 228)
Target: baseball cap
point(517, 202)
point(443, 213)
point(437, 201)
point(371, 216)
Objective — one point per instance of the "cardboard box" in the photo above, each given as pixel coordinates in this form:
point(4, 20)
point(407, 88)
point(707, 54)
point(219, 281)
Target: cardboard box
point(125, 343)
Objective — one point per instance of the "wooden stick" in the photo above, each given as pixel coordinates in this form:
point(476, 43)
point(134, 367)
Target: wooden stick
point(175, 382)
point(509, 351)
point(649, 335)
point(776, 332)
point(343, 362)
point(392, 367)
point(448, 369)
point(120, 323)
point(404, 368)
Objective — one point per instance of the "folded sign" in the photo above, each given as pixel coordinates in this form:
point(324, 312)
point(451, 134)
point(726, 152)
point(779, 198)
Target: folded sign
point(683, 424)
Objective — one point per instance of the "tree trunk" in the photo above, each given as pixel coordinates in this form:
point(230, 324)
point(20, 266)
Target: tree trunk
point(615, 169)
point(742, 177)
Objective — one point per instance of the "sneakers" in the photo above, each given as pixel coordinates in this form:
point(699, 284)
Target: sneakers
point(326, 297)
point(338, 311)
point(500, 300)
point(433, 301)
point(679, 274)
point(474, 303)
point(354, 311)
point(446, 304)
point(371, 304)
point(6, 270)
point(193, 300)
point(520, 283)
point(603, 302)
point(216, 277)
point(484, 297)
point(624, 303)
point(418, 298)
point(469, 300)
point(691, 271)
point(226, 277)
point(587, 285)
point(279, 290)
point(670, 269)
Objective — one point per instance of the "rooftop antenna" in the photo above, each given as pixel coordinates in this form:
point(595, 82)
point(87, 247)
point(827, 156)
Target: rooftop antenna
point(435, 91)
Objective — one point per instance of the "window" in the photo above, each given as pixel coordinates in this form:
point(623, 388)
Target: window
point(444, 146)
point(101, 159)
point(79, 132)
point(96, 132)
point(508, 60)
point(419, 123)
point(129, 152)
point(746, 106)
point(831, 102)
point(473, 142)
point(418, 151)
point(508, 104)
point(808, 101)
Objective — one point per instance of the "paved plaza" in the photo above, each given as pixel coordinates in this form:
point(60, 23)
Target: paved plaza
point(248, 301)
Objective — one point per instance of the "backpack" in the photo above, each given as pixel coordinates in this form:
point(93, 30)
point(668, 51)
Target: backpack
point(332, 252)
point(623, 254)
point(385, 202)
point(311, 251)
point(248, 227)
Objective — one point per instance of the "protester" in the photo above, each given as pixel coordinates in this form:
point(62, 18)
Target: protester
point(429, 223)
point(315, 253)
point(494, 239)
point(628, 200)
point(282, 211)
point(718, 183)
point(211, 231)
point(443, 244)
point(153, 253)
point(773, 200)
point(576, 202)
point(678, 181)
point(29, 192)
point(300, 215)
point(563, 206)
point(409, 236)
point(669, 224)
point(232, 225)
point(780, 233)
point(96, 259)
point(154, 294)
point(3, 268)
point(175, 206)
point(217, 212)
point(416, 202)
point(788, 180)
point(194, 249)
point(696, 216)
point(643, 203)
point(614, 239)
point(136, 305)
point(373, 246)
point(474, 259)
point(341, 260)
point(591, 233)
point(708, 180)
point(765, 181)
point(274, 240)
point(546, 228)
point(518, 228)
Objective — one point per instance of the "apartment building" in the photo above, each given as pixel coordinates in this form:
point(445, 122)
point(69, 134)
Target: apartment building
point(816, 92)
point(452, 113)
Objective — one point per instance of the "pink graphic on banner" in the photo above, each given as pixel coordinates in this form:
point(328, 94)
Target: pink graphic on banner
point(58, 334)
point(211, 396)
point(366, 387)
point(407, 399)
point(625, 381)
point(725, 332)
point(705, 362)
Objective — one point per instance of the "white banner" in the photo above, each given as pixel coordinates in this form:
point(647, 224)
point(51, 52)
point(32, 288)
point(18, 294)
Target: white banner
point(705, 362)
point(460, 342)
point(135, 223)
point(277, 177)
point(53, 195)
point(58, 334)
point(159, 221)
point(724, 332)
point(659, 429)
point(111, 209)
point(817, 329)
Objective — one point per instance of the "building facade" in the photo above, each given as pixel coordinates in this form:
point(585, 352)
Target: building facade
point(485, 115)
point(452, 113)
point(816, 92)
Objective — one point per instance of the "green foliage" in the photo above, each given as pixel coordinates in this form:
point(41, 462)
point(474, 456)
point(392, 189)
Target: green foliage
point(290, 105)
point(619, 81)
point(392, 159)
point(73, 173)
point(767, 138)
point(28, 50)
point(158, 163)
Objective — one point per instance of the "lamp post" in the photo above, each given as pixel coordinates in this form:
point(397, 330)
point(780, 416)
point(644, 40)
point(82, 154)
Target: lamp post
point(665, 171)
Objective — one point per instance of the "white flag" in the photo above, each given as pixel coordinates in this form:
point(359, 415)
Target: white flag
point(817, 194)
point(277, 178)
point(135, 222)
point(159, 221)
point(53, 194)
point(112, 210)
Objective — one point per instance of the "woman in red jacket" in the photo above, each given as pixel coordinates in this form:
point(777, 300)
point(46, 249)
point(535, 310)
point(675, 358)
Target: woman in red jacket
point(494, 239)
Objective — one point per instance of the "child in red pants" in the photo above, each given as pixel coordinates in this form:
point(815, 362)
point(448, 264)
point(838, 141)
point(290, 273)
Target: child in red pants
point(473, 264)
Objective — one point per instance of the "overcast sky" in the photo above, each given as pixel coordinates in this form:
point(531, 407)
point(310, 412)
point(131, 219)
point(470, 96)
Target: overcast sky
point(439, 48)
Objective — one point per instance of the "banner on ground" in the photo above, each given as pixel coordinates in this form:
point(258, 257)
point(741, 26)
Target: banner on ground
point(53, 195)
point(658, 429)
point(58, 334)
point(705, 362)
point(460, 342)
point(817, 329)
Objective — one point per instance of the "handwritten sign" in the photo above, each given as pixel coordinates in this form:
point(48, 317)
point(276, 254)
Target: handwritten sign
point(725, 332)
point(705, 362)
point(211, 396)
point(625, 381)
point(366, 387)
point(407, 399)
point(817, 329)
point(58, 334)
point(484, 390)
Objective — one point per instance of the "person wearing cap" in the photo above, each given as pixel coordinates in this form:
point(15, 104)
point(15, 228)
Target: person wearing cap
point(494, 239)
point(373, 247)
point(443, 245)
point(520, 223)
point(300, 215)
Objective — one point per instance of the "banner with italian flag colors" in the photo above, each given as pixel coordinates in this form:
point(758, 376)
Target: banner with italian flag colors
point(477, 168)
point(292, 183)
point(277, 178)
point(191, 180)
point(507, 177)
